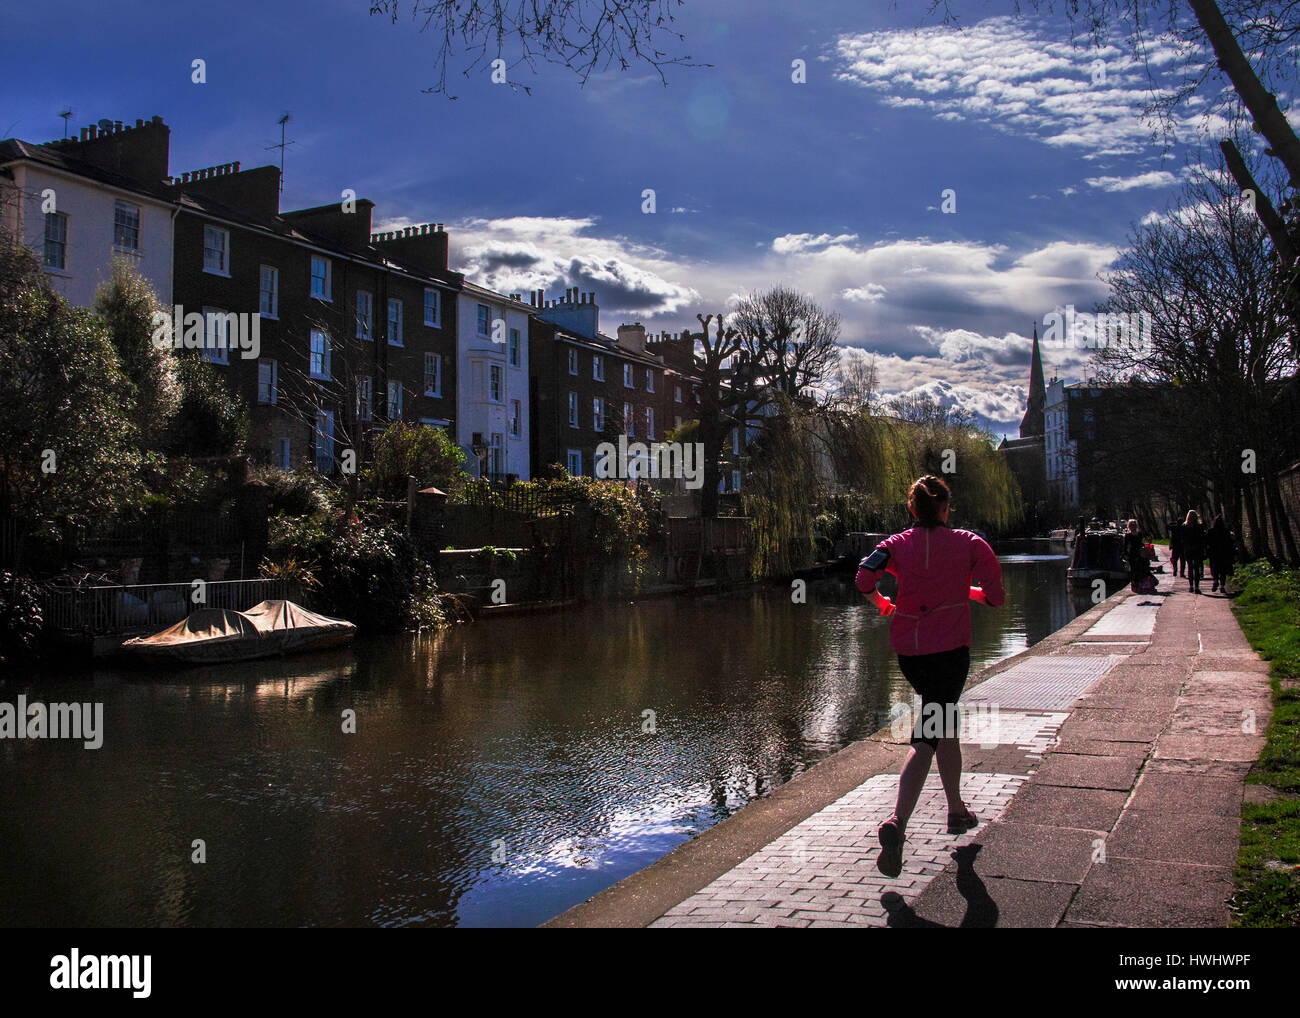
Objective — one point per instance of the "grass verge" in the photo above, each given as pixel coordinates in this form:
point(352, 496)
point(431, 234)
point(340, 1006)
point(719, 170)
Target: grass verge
point(1267, 893)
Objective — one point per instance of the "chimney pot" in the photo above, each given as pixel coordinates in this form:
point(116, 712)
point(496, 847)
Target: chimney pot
point(117, 126)
point(139, 122)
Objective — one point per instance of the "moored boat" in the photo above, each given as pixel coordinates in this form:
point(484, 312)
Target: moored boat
point(1098, 555)
point(219, 635)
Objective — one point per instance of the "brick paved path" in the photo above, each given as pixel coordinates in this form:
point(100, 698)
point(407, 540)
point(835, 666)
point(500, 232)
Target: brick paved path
point(1109, 792)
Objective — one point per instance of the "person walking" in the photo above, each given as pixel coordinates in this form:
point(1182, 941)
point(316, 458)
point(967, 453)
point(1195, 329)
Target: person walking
point(930, 631)
point(1176, 562)
point(1194, 550)
point(1219, 547)
point(1134, 552)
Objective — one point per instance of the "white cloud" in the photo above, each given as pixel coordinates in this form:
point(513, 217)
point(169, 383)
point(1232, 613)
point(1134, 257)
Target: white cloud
point(1153, 178)
point(1021, 79)
point(792, 242)
point(523, 253)
point(952, 313)
point(868, 294)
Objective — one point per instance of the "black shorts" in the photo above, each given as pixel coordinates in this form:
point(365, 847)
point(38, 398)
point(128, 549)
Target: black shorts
point(938, 680)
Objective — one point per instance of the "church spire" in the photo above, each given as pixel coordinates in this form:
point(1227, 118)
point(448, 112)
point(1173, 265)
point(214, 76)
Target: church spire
point(1032, 423)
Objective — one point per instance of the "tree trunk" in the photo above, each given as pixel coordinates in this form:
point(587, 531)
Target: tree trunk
point(1277, 512)
point(1273, 223)
point(1269, 119)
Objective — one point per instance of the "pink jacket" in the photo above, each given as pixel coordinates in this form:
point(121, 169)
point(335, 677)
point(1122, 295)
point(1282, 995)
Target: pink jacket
point(935, 567)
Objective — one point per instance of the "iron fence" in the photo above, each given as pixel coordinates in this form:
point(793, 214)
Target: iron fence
point(119, 609)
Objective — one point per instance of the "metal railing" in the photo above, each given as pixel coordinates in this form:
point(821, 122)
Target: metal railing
point(120, 609)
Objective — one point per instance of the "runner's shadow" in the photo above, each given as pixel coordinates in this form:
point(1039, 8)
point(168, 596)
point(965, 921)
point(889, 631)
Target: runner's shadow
point(981, 909)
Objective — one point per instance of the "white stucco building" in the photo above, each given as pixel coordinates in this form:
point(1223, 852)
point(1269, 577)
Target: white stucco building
point(1061, 451)
point(492, 381)
point(67, 203)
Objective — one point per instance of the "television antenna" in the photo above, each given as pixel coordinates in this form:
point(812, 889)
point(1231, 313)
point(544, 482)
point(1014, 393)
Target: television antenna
point(282, 146)
point(66, 114)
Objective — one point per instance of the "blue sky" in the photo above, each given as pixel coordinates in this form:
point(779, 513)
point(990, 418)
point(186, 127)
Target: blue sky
point(833, 186)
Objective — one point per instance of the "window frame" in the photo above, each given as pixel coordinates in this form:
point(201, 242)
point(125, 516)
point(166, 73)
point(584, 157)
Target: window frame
point(395, 322)
point(437, 307)
point(327, 283)
point(317, 435)
point(436, 391)
point(119, 227)
point(262, 270)
point(59, 242)
point(365, 384)
point(213, 353)
point(369, 320)
point(274, 385)
point(224, 234)
point(325, 356)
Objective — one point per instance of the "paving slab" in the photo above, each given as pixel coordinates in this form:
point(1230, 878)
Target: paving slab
point(1035, 852)
point(1138, 893)
point(1090, 809)
point(1078, 771)
point(952, 900)
point(1163, 836)
point(1175, 792)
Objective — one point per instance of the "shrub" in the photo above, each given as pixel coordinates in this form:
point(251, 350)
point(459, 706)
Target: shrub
point(363, 571)
point(413, 450)
point(20, 618)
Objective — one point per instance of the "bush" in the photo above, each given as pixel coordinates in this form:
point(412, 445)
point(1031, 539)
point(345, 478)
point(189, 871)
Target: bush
point(413, 450)
point(210, 421)
point(363, 571)
point(293, 492)
point(20, 618)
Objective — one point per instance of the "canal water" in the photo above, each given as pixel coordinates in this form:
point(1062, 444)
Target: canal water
point(499, 772)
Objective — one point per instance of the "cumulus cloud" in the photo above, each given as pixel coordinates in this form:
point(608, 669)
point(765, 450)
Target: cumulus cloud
point(947, 318)
point(868, 294)
point(523, 253)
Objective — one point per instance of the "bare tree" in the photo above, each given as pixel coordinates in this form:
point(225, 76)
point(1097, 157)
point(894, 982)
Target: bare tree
point(1218, 353)
point(583, 35)
point(858, 381)
point(787, 341)
point(919, 408)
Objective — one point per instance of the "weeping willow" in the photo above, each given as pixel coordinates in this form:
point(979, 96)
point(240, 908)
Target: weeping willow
point(838, 472)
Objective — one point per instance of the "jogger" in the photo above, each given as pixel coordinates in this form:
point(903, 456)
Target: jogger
point(931, 633)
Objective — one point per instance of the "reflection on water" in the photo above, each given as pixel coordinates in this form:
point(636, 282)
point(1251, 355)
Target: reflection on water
point(498, 774)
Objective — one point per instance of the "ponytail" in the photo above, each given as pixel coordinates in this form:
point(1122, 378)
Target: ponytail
point(927, 498)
